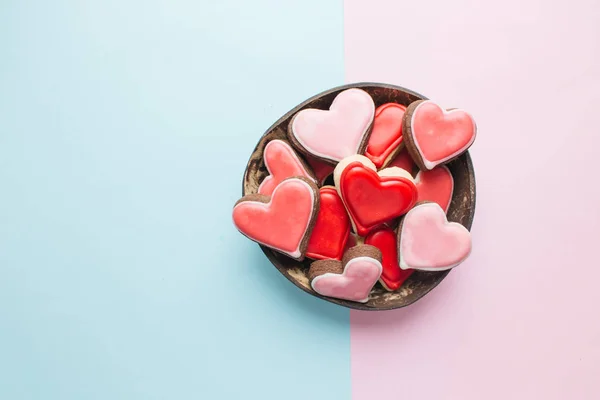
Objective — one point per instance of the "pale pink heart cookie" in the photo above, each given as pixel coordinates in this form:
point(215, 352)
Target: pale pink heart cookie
point(435, 136)
point(282, 162)
point(334, 134)
point(352, 278)
point(283, 221)
point(428, 242)
point(436, 185)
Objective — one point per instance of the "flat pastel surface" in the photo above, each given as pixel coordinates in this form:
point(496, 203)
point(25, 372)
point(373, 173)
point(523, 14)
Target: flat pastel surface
point(519, 319)
point(125, 127)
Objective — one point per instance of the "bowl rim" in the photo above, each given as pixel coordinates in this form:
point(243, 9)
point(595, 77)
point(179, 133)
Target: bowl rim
point(270, 253)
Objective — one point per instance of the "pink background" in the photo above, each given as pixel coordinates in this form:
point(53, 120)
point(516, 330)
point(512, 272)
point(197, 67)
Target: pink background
point(520, 319)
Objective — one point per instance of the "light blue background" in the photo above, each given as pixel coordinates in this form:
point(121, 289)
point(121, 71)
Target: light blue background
point(124, 131)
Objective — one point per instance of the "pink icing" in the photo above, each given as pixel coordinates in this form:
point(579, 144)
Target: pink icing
point(436, 185)
point(355, 283)
point(338, 132)
point(282, 162)
point(282, 222)
point(441, 135)
point(429, 242)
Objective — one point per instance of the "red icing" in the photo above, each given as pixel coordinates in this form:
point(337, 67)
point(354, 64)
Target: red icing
point(386, 135)
point(403, 160)
point(392, 276)
point(372, 200)
point(440, 135)
point(436, 185)
point(332, 227)
point(351, 242)
point(282, 162)
point(321, 169)
point(281, 223)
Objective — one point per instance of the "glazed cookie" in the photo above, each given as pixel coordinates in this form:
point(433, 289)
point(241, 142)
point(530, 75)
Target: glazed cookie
point(436, 185)
point(403, 160)
point(321, 169)
point(282, 162)
point(392, 277)
point(436, 136)
point(428, 242)
point(332, 227)
point(334, 134)
point(352, 278)
point(373, 198)
point(386, 136)
point(283, 221)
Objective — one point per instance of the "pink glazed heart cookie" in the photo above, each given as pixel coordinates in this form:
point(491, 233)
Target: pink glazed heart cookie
point(283, 221)
point(334, 134)
point(435, 136)
point(436, 185)
point(428, 242)
point(352, 278)
point(282, 162)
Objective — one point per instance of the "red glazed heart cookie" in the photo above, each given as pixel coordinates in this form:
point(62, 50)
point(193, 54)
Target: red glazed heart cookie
point(403, 160)
point(436, 136)
point(282, 162)
point(373, 198)
point(386, 136)
point(320, 168)
point(428, 242)
point(352, 279)
point(436, 185)
point(332, 228)
point(393, 276)
point(283, 221)
point(331, 135)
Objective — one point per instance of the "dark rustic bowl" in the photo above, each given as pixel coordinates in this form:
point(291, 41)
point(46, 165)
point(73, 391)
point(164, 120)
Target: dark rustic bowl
point(461, 209)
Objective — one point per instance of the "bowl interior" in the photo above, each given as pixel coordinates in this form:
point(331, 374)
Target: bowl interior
point(461, 209)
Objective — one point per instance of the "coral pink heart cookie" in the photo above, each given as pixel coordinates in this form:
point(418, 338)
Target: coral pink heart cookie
point(283, 221)
point(332, 228)
point(393, 276)
point(436, 185)
point(334, 134)
point(373, 198)
point(386, 136)
point(427, 241)
point(282, 162)
point(352, 279)
point(436, 136)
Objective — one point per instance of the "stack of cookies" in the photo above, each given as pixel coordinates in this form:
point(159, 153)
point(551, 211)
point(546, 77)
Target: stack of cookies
point(362, 191)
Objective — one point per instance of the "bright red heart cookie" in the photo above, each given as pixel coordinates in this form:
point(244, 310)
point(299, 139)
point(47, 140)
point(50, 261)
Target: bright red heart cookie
point(403, 160)
point(393, 276)
point(436, 136)
point(283, 221)
point(320, 168)
point(373, 198)
point(386, 136)
point(282, 162)
point(332, 228)
point(436, 185)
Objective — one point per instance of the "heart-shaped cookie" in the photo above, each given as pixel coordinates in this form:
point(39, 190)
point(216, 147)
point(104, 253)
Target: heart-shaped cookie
point(352, 278)
point(436, 136)
point(403, 160)
point(385, 140)
point(331, 135)
point(320, 168)
point(373, 198)
point(393, 276)
point(436, 185)
point(332, 227)
point(282, 162)
point(283, 221)
point(428, 242)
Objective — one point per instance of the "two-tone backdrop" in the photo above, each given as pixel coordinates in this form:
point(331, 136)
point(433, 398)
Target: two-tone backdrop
point(124, 130)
